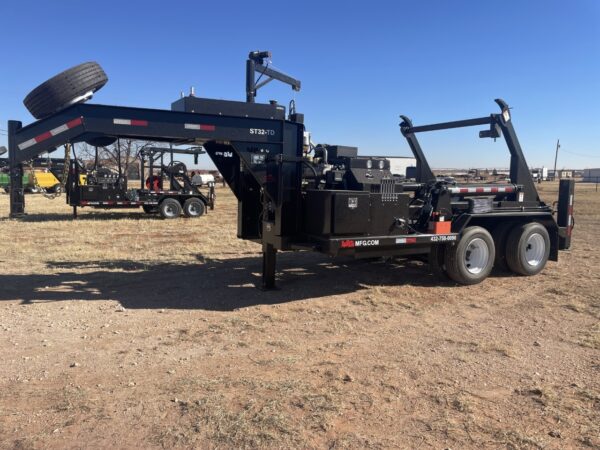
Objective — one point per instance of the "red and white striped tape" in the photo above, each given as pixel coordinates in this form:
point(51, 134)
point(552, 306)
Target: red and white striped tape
point(131, 122)
point(199, 126)
point(409, 240)
point(53, 132)
point(481, 190)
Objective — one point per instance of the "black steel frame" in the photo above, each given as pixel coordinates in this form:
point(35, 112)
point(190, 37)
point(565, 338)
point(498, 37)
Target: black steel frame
point(261, 159)
point(499, 124)
point(255, 63)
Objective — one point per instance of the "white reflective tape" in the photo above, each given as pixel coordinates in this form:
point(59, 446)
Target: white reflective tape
point(192, 126)
point(59, 130)
point(26, 144)
point(571, 200)
point(122, 121)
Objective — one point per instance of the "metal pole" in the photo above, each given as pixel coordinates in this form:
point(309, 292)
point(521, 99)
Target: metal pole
point(556, 158)
point(17, 194)
point(250, 68)
point(119, 156)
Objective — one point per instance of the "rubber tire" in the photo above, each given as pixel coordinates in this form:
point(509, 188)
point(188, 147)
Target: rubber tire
point(150, 209)
point(57, 189)
point(169, 208)
point(500, 235)
point(437, 264)
point(190, 202)
point(56, 93)
point(454, 258)
point(516, 245)
point(101, 141)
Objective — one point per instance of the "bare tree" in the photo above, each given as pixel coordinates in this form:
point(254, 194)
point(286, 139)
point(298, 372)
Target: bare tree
point(123, 153)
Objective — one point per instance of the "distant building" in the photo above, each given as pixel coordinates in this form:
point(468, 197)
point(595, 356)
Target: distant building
point(591, 175)
point(565, 173)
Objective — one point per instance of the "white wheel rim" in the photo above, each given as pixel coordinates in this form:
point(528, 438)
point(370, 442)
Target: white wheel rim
point(169, 211)
point(477, 255)
point(535, 248)
point(193, 209)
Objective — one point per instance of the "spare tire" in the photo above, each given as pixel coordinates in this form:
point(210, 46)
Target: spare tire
point(71, 86)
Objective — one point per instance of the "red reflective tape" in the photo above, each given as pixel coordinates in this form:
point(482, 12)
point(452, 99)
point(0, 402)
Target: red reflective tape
point(508, 189)
point(411, 240)
point(570, 210)
point(479, 190)
point(199, 126)
point(464, 190)
point(43, 136)
point(494, 189)
point(75, 122)
point(139, 123)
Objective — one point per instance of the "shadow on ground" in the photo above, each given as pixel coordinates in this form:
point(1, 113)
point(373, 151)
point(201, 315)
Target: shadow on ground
point(211, 284)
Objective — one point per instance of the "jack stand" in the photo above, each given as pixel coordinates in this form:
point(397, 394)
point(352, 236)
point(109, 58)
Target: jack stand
point(268, 269)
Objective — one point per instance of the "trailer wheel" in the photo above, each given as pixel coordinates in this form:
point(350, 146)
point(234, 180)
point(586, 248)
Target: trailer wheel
point(71, 86)
point(437, 265)
point(528, 249)
point(193, 207)
point(57, 189)
point(169, 208)
point(470, 261)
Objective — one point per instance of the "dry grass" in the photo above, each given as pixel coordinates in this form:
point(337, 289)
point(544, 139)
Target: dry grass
point(120, 330)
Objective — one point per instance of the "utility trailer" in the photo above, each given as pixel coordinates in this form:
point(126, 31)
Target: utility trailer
point(104, 188)
point(293, 195)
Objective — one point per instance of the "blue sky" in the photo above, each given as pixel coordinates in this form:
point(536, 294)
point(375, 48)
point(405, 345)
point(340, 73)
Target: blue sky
point(361, 65)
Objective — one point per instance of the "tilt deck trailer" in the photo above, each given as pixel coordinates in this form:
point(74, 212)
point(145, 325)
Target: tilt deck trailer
point(293, 195)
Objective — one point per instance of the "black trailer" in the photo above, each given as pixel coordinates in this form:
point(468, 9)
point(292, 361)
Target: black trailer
point(293, 195)
point(105, 188)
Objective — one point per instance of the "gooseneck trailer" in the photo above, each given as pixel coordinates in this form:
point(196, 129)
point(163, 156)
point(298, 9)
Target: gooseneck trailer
point(293, 195)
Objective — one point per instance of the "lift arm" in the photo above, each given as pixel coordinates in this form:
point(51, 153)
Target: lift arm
point(499, 124)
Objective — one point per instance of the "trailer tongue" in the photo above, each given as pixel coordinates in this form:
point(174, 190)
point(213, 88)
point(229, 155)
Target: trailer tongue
point(293, 195)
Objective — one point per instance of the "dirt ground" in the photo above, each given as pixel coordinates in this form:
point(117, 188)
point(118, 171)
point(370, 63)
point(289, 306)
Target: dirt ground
point(124, 331)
